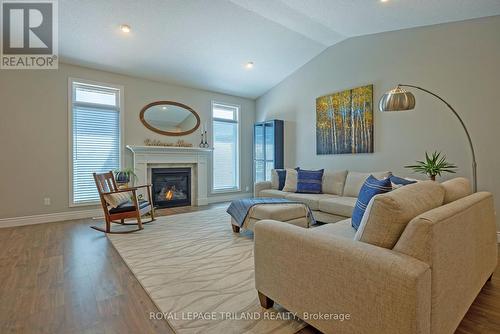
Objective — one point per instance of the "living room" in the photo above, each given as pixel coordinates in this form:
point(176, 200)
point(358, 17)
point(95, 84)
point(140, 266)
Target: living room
point(235, 166)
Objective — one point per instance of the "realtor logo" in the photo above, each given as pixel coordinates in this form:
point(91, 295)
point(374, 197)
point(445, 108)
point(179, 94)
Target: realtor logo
point(29, 34)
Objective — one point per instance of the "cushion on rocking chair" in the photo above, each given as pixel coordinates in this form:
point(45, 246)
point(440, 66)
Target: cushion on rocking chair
point(128, 206)
point(117, 199)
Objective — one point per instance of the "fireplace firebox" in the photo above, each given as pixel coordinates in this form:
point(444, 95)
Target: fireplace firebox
point(171, 187)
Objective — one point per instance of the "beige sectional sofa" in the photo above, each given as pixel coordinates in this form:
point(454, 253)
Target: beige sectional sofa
point(420, 257)
point(340, 191)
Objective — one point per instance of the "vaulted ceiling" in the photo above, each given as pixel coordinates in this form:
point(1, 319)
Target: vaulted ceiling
point(206, 43)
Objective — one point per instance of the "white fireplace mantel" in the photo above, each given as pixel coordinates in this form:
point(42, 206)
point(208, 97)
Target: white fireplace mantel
point(167, 149)
point(147, 156)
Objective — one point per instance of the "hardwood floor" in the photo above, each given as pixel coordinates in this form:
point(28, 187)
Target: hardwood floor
point(67, 278)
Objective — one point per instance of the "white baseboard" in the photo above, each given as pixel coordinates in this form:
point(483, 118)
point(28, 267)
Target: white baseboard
point(50, 218)
point(70, 215)
point(229, 197)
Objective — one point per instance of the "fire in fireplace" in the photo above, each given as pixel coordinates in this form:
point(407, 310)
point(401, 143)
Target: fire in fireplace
point(171, 187)
point(170, 194)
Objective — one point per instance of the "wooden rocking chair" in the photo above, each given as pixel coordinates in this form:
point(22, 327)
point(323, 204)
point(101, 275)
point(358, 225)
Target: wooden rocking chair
point(106, 185)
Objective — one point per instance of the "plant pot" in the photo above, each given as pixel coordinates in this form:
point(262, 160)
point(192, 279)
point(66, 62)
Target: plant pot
point(122, 185)
point(432, 177)
point(122, 177)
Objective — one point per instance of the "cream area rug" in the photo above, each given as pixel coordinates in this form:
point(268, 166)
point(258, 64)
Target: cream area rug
point(201, 275)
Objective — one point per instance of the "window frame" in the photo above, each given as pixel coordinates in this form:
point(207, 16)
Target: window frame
point(121, 112)
point(237, 188)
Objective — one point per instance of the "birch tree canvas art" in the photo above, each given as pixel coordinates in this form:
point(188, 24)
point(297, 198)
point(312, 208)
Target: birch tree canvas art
point(344, 122)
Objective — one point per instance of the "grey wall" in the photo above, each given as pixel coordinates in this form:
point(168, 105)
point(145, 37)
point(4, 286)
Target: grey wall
point(460, 61)
point(34, 132)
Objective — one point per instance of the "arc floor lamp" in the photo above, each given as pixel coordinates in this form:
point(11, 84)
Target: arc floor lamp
point(399, 99)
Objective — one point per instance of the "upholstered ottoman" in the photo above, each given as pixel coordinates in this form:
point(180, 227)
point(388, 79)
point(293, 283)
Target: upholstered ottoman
point(292, 213)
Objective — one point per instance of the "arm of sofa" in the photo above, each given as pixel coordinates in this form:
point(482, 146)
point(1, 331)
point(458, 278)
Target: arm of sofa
point(313, 274)
point(259, 186)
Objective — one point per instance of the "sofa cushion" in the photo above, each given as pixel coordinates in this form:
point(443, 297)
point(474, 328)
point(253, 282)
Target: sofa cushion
point(309, 181)
point(333, 182)
point(128, 206)
point(311, 200)
point(278, 177)
point(342, 229)
point(370, 188)
point(354, 181)
point(272, 193)
point(388, 214)
point(341, 206)
point(456, 188)
point(290, 180)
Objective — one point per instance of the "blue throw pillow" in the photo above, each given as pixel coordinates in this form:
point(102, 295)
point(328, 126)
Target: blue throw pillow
point(400, 181)
point(309, 181)
point(370, 188)
point(281, 178)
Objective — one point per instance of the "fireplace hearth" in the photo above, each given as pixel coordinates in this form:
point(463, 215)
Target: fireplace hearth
point(171, 187)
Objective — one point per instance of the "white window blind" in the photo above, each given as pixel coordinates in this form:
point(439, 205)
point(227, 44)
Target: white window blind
point(95, 137)
point(226, 147)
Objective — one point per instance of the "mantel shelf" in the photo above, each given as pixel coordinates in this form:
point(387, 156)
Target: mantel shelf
point(138, 149)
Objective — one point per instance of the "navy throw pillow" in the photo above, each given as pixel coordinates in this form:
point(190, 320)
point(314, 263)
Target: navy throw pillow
point(281, 178)
point(370, 188)
point(400, 181)
point(309, 181)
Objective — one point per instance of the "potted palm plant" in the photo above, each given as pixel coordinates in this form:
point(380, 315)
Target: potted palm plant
point(435, 164)
point(124, 176)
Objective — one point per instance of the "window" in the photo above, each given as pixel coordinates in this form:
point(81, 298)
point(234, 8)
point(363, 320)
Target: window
point(95, 136)
point(226, 147)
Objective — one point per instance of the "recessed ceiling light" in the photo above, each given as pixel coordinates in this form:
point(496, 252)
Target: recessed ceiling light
point(125, 28)
point(164, 108)
point(384, 0)
point(249, 65)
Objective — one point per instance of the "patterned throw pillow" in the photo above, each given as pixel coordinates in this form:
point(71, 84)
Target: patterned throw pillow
point(309, 181)
point(115, 200)
point(370, 188)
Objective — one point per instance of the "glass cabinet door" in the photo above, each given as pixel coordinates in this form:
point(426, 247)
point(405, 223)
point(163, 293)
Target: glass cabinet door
point(269, 140)
point(260, 171)
point(269, 149)
point(259, 142)
point(269, 168)
point(259, 153)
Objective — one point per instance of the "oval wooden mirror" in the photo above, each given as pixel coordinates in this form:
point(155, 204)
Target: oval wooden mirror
point(170, 118)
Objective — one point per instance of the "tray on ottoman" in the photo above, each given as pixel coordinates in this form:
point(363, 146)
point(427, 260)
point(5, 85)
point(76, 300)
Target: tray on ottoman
point(246, 212)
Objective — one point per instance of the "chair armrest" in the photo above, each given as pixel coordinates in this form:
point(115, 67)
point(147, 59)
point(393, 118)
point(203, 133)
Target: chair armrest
point(259, 186)
point(142, 186)
point(307, 272)
point(123, 190)
point(136, 187)
point(119, 191)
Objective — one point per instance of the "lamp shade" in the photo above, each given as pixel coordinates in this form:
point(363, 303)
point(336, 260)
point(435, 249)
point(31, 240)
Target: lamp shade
point(397, 99)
